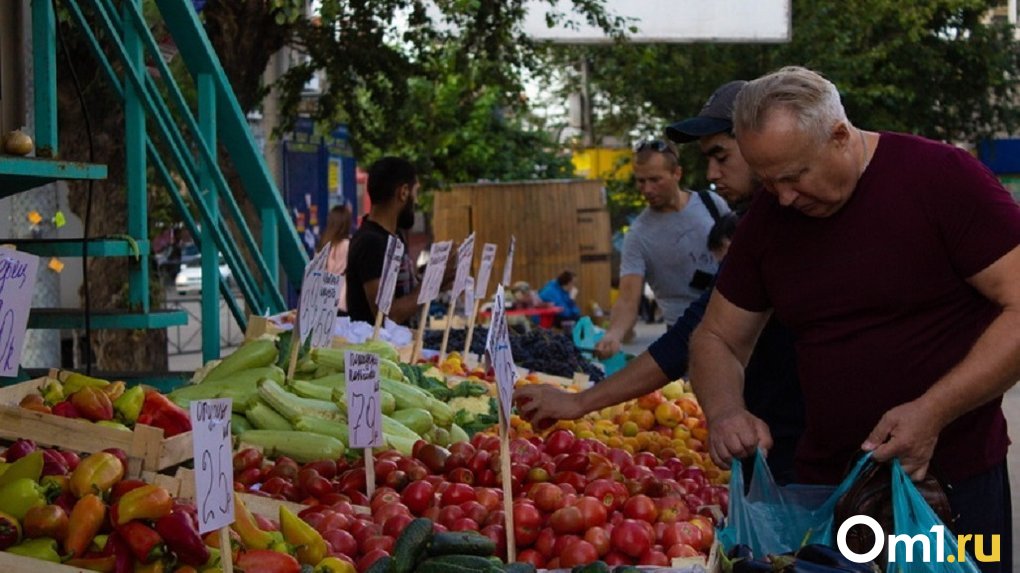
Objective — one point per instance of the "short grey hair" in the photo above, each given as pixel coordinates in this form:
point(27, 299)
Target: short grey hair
point(811, 98)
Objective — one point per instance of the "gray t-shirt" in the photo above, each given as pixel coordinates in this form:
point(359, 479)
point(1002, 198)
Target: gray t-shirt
point(669, 249)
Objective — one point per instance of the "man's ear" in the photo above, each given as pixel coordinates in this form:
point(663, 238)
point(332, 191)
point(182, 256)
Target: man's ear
point(841, 133)
point(403, 192)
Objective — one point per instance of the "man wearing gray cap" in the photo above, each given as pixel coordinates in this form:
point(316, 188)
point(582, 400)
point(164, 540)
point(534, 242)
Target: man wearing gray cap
point(771, 390)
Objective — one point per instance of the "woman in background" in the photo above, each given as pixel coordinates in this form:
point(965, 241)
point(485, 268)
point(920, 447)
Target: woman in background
point(338, 236)
point(560, 292)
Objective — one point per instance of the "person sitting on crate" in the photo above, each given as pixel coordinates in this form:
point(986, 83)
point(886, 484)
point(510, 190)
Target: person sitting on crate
point(560, 292)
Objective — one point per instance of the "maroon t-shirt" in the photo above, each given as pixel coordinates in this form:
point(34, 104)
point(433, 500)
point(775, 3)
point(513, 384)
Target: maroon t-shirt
point(877, 298)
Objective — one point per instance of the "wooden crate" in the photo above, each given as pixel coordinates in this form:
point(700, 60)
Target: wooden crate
point(146, 447)
point(11, 562)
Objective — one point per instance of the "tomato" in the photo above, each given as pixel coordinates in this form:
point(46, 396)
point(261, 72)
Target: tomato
point(334, 520)
point(457, 494)
point(630, 537)
point(620, 458)
point(396, 524)
point(579, 553)
point(593, 512)
point(524, 452)
point(563, 542)
point(683, 532)
point(614, 558)
point(464, 524)
point(449, 514)
point(382, 497)
point(641, 507)
point(497, 517)
point(488, 442)
point(397, 480)
point(567, 520)
point(489, 498)
point(418, 445)
point(559, 442)
point(533, 557)
point(537, 475)
point(604, 491)
point(480, 461)
point(274, 485)
point(326, 468)
point(488, 478)
point(247, 458)
point(547, 497)
point(384, 542)
point(352, 480)
point(318, 487)
point(573, 463)
point(464, 449)
point(682, 550)
point(646, 459)
point(433, 456)
point(418, 496)
point(475, 511)
point(654, 558)
point(599, 538)
point(341, 541)
point(545, 541)
point(527, 523)
point(453, 462)
point(573, 478)
point(672, 510)
point(707, 532)
point(497, 533)
point(461, 475)
point(369, 558)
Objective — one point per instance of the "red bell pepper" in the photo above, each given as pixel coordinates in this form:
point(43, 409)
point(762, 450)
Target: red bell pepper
point(181, 536)
point(145, 542)
point(267, 561)
point(124, 562)
point(158, 411)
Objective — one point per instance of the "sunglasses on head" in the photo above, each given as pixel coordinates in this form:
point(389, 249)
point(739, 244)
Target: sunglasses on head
point(656, 145)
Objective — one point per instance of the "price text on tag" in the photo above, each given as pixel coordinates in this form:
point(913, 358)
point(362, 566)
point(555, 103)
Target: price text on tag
point(485, 269)
point(17, 284)
point(214, 468)
point(469, 296)
point(501, 355)
point(433, 280)
point(364, 412)
point(390, 273)
point(319, 293)
point(465, 256)
point(508, 265)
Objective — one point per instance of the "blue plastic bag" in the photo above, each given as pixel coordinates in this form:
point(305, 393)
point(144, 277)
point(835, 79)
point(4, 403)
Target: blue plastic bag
point(774, 519)
point(912, 516)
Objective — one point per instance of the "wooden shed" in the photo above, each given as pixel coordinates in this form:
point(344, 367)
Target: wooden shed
point(559, 224)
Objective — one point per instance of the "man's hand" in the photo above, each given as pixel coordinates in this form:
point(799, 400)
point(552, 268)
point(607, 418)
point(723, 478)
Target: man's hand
point(736, 435)
point(608, 346)
point(908, 432)
point(543, 405)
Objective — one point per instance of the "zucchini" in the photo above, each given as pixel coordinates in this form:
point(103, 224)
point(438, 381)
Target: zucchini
point(455, 564)
point(418, 420)
point(253, 354)
point(338, 430)
point(411, 545)
point(263, 417)
point(291, 406)
point(382, 565)
point(301, 446)
point(461, 543)
point(239, 424)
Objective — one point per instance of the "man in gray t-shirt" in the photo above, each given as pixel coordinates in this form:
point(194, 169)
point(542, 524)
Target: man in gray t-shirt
point(667, 245)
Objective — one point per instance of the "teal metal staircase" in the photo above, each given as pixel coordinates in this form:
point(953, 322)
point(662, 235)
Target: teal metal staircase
point(162, 132)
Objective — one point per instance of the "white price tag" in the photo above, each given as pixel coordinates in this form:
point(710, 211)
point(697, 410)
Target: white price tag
point(390, 273)
point(364, 412)
point(485, 269)
point(320, 290)
point(469, 296)
point(17, 284)
point(214, 468)
point(498, 346)
point(508, 265)
point(433, 280)
point(465, 254)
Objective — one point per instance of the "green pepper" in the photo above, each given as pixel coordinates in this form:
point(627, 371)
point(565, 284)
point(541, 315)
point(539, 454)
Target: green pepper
point(129, 404)
point(52, 392)
point(20, 495)
point(44, 548)
point(29, 466)
point(112, 424)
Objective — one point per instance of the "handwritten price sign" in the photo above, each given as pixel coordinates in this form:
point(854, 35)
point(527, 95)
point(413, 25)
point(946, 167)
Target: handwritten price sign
point(498, 345)
point(465, 255)
point(17, 284)
point(390, 273)
point(438, 255)
point(320, 290)
point(485, 269)
point(469, 296)
point(364, 412)
point(214, 468)
point(508, 265)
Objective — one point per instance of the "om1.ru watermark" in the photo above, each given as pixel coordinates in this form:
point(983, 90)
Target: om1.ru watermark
point(909, 543)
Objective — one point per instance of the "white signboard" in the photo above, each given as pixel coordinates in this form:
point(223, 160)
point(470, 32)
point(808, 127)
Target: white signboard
point(214, 468)
point(485, 269)
point(320, 291)
point(390, 273)
point(469, 296)
point(508, 265)
point(498, 346)
point(433, 280)
point(17, 284)
point(465, 255)
point(364, 411)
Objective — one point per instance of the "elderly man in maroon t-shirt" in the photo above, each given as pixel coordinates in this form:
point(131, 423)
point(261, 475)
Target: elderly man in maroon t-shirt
point(895, 261)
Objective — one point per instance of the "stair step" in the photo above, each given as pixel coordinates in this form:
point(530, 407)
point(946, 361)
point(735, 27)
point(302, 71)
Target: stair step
point(97, 247)
point(23, 173)
point(68, 318)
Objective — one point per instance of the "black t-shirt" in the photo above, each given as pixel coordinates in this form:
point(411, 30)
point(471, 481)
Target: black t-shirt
point(364, 264)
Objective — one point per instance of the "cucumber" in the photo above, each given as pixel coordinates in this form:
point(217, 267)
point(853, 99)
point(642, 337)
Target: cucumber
point(461, 543)
point(382, 565)
point(519, 567)
point(455, 564)
point(411, 545)
point(626, 569)
point(593, 567)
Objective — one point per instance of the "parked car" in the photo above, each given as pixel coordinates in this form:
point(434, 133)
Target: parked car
point(170, 260)
point(189, 279)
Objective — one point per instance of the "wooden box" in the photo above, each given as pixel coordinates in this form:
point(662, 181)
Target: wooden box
point(146, 447)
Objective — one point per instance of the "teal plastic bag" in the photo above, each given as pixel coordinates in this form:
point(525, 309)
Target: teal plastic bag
point(773, 519)
point(914, 518)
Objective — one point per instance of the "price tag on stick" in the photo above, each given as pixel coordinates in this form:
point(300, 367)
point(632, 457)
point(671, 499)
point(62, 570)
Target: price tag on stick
point(465, 256)
point(508, 265)
point(390, 272)
point(469, 295)
point(498, 346)
point(485, 270)
point(17, 285)
point(364, 412)
point(433, 279)
point(214, 468)
point(320, 291)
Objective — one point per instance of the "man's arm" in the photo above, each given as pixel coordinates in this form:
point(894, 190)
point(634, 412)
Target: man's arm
point(720, 349)
point(672, 350)
point(403, 307)
point(623, 316)
point(992, 367)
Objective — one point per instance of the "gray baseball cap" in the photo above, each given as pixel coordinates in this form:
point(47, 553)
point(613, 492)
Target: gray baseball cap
point(716, 116)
